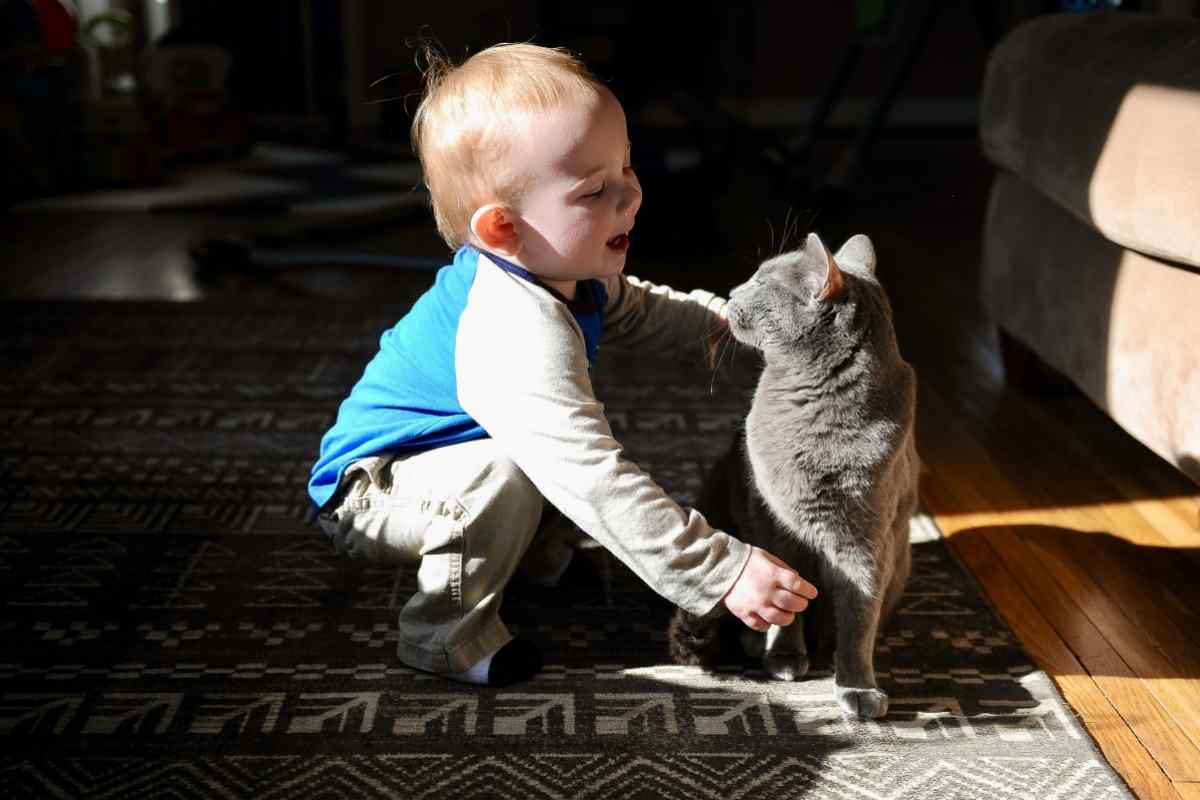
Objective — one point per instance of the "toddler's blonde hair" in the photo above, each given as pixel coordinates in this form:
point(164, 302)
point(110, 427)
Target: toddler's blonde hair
point(458, 131)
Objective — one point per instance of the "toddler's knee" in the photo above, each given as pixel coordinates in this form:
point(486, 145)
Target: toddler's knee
point(505, 496)
point(514, 480)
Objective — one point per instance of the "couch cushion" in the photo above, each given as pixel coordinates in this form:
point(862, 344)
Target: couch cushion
point(1120, 324)
point(1101, 112)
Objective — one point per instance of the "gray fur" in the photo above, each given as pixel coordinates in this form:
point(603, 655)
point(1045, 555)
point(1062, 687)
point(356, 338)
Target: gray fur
point(825, 476)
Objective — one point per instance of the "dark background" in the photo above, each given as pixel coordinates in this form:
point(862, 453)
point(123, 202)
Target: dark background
point(722, 101)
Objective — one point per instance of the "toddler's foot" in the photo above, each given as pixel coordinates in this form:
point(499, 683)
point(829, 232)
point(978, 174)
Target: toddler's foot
point(514, 662)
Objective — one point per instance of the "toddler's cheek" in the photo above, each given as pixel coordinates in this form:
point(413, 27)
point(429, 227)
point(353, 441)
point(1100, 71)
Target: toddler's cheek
point(580, 235)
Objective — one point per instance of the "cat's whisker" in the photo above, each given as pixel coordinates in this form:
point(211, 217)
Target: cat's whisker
point(734, 346)
point(796, 227)
point(787, 221)
point(716, 362)
point(723, 344)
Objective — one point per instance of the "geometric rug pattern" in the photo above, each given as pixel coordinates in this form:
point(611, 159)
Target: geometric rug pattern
point(175, 625)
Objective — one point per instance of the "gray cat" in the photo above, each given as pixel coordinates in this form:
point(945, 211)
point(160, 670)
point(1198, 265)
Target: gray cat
point(825, 476)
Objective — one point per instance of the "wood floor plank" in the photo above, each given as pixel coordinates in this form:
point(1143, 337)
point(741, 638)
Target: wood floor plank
point(1112, 735)
point(1107, 453)
point(1072, 427)
point(1171, 498)
point(1171, 747)
point(1152, 596)
point(1188, 791)
point(1174, 687)
point(967, 513)
point(1167, 519)
point(1128, 563)
point(1166, 742)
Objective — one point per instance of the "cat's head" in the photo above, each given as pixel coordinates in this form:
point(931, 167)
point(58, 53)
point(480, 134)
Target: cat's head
point(808, 300)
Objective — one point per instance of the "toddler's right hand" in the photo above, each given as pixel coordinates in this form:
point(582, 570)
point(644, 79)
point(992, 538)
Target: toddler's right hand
point(768, 592)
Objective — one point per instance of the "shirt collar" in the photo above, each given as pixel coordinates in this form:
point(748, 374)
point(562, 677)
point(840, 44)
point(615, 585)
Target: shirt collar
point(584, 302)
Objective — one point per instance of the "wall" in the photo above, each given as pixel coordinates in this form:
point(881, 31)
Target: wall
point(772, 62)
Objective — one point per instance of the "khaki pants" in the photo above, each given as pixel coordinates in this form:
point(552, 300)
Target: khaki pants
point(469, 516)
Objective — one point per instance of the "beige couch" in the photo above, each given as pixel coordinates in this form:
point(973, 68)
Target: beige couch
point(1091, 253)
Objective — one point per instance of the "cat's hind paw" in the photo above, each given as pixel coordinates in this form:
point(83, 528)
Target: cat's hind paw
point(857, 703)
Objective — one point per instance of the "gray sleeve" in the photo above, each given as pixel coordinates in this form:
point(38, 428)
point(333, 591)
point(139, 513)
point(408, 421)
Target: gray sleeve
point(522, 374)
point(662, 319)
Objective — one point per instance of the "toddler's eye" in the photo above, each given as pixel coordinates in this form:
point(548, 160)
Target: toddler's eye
point(598, 192)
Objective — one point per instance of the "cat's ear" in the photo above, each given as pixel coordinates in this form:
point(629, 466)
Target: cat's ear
point(859, 252)
point(834, 283)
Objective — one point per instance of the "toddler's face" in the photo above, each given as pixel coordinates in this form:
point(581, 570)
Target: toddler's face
point(583, 194)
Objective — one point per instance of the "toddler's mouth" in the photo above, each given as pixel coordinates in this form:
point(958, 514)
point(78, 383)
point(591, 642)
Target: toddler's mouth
point(619, 242)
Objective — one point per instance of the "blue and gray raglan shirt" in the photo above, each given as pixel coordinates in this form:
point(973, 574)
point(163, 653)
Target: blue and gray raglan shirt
point(407, 399)
point(489, 350)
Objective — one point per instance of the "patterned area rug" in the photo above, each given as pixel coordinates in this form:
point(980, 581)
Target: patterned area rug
point(175, 625)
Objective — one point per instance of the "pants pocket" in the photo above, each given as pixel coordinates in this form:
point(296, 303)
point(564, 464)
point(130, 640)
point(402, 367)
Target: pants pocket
point(369, 521)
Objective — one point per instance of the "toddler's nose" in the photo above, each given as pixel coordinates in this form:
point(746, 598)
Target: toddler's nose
point(631, 198)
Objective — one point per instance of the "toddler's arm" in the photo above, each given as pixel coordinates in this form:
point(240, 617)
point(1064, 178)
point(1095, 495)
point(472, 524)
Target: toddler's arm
point(523, 376)
point(662, 319)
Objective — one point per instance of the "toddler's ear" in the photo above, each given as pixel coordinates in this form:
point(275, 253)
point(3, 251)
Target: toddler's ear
point(495, 228)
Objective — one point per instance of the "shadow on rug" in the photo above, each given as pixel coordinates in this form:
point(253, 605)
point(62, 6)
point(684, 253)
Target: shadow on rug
point(174, 623)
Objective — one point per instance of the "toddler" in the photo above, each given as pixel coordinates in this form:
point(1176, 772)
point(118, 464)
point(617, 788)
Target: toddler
point(476, 422)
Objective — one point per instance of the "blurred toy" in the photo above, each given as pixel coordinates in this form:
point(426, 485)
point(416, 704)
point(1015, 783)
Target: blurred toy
point(120, 147)
point(189, 103)
point(41, 78)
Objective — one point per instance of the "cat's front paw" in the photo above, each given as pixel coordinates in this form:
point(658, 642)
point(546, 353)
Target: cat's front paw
point(786, 666)
point(857, 703)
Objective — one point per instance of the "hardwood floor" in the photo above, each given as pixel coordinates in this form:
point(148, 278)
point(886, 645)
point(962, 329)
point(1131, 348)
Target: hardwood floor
point(1099, 610)
point(1088, 544)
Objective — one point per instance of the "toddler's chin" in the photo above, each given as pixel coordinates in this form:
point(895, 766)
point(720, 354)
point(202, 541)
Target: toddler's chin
point(616, 255)
point(615, 265)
